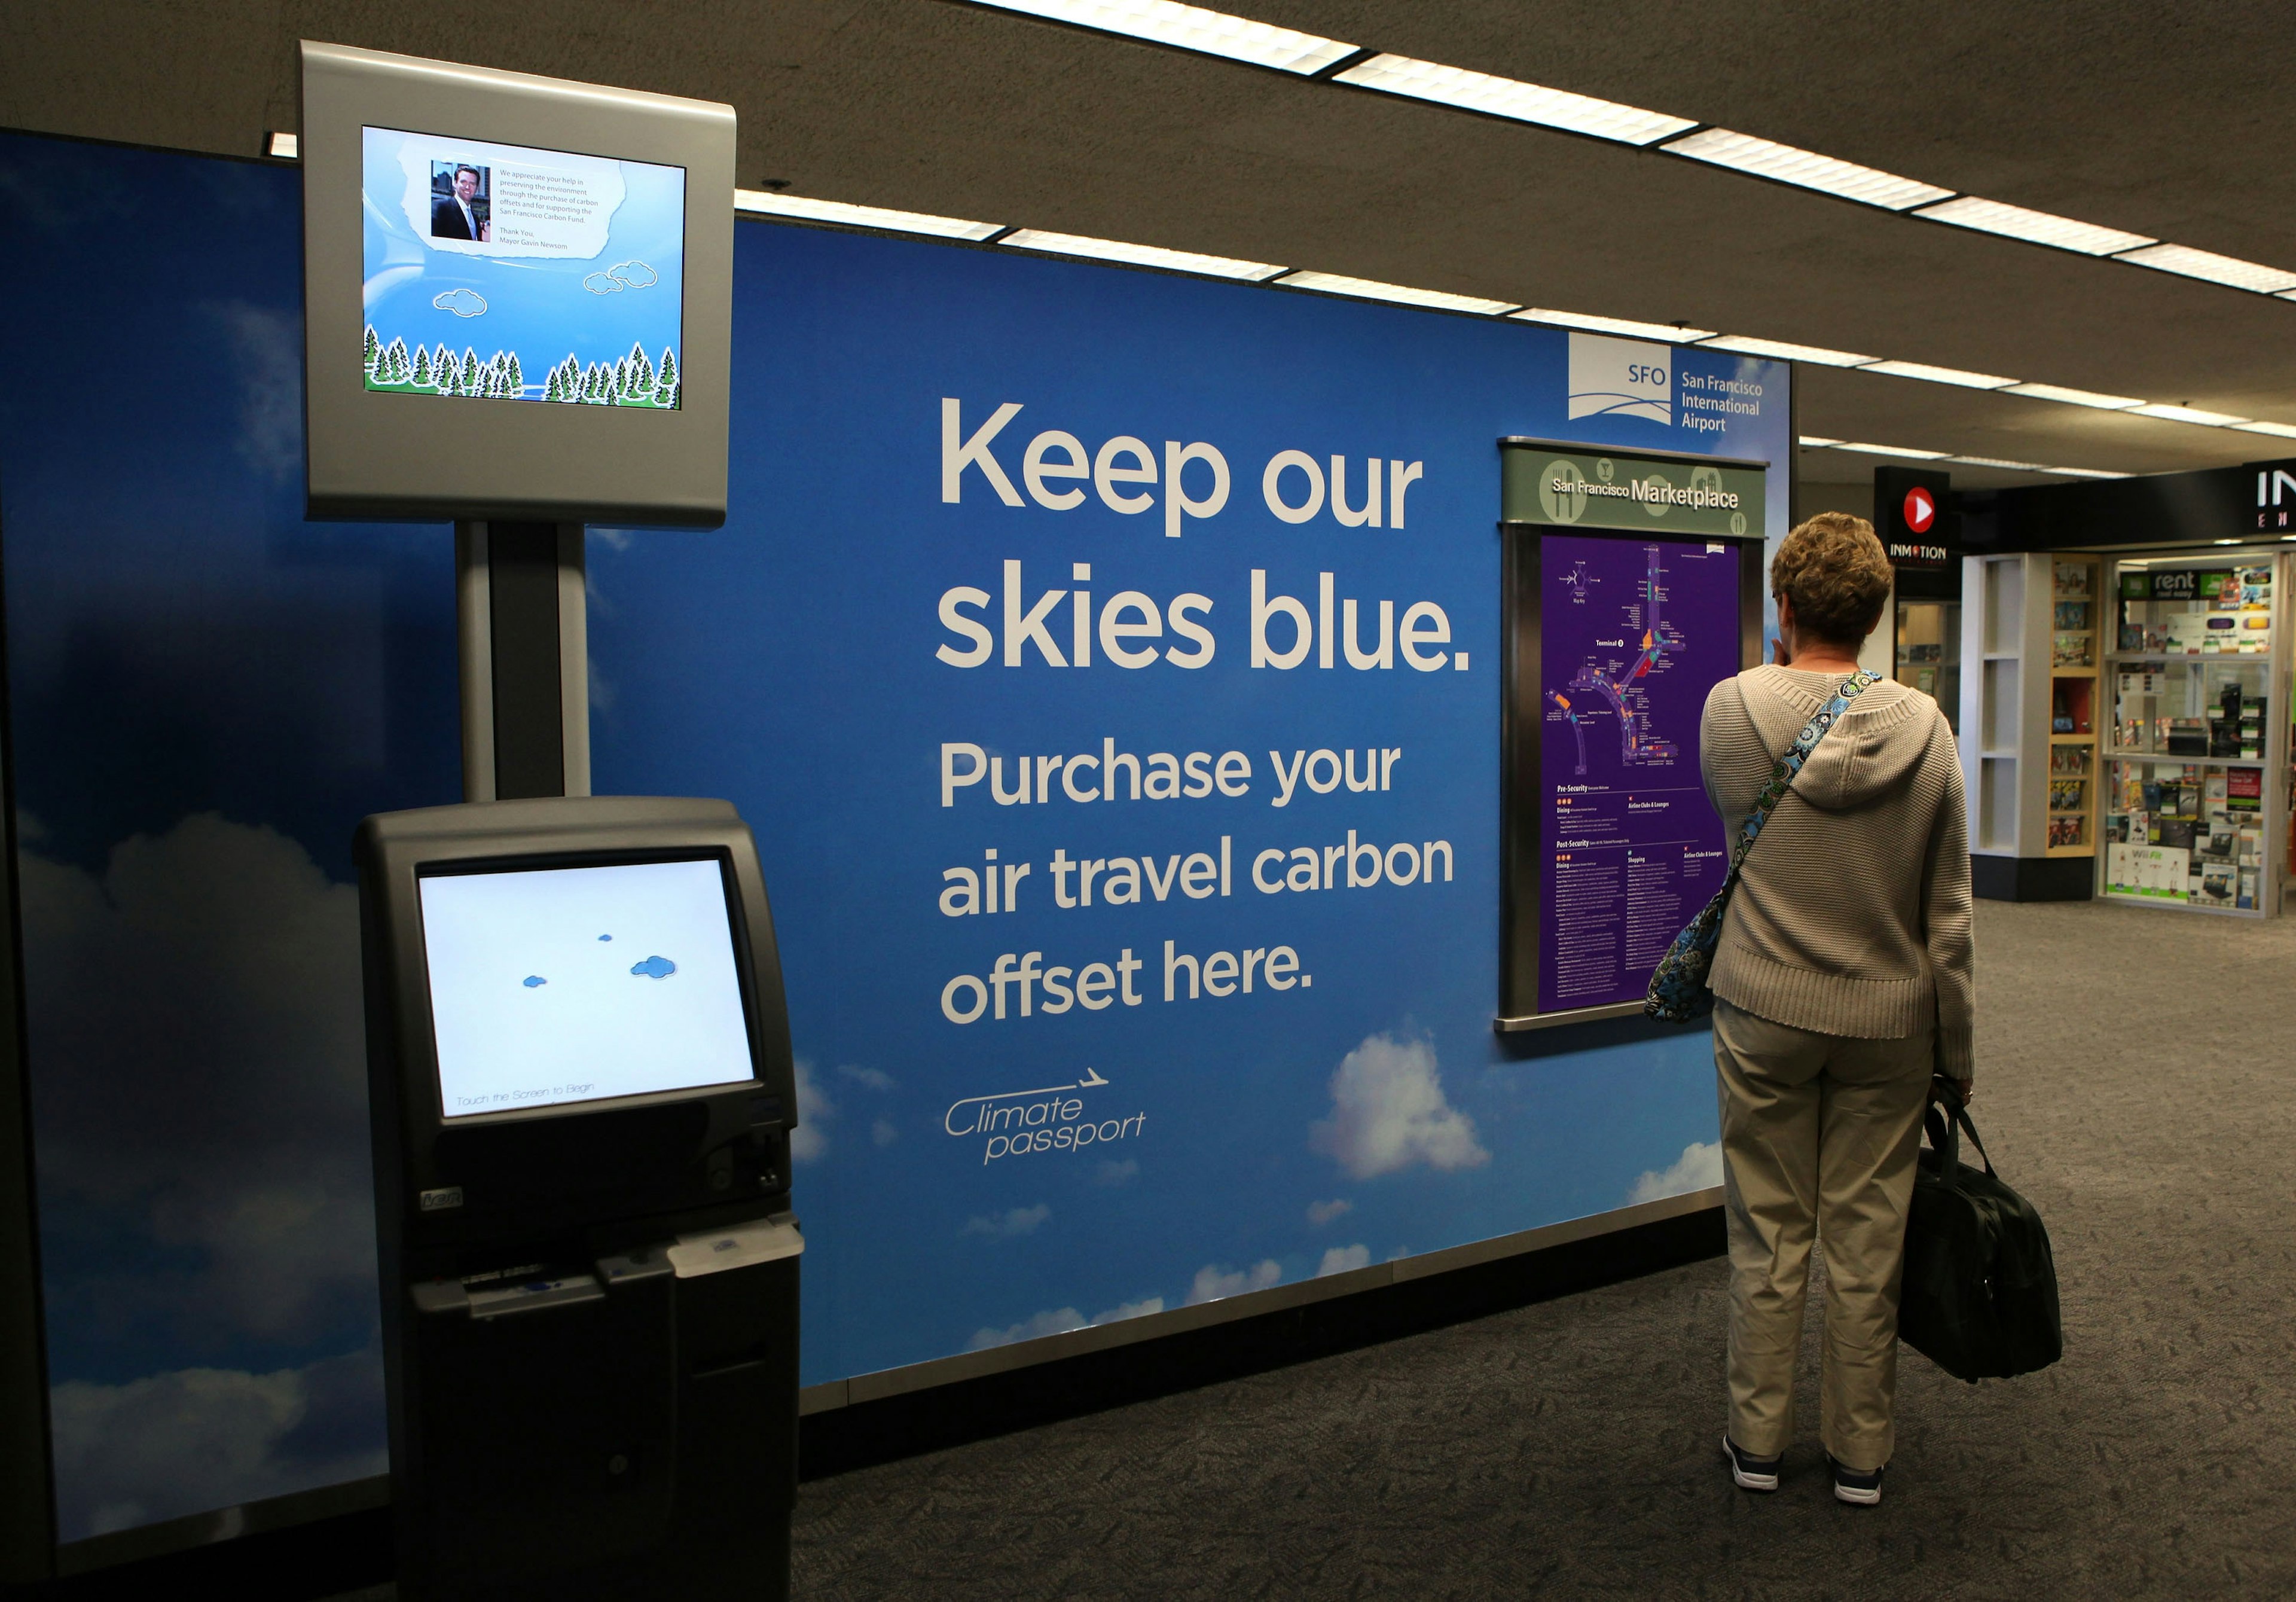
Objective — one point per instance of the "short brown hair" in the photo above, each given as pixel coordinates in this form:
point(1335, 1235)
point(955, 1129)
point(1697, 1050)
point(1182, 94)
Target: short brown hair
point(1834, 570)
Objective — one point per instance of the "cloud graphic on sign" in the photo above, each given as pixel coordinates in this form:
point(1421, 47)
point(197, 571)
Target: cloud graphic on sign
point(1699, 1168)
point(1019, 1220)
point(1342, 1259)
point(462, 302)
point(191, 1439)
point(655, 968)
point(1389, 1113)
point(1216, 1280)
point(636, 274)
point(603, 283)
point(1320, 1213)
point(1060, 1320)
point(814, 1109)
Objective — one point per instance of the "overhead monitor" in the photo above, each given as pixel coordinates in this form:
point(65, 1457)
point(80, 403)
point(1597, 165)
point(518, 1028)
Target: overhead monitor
point(556, 985)
point(517, 295)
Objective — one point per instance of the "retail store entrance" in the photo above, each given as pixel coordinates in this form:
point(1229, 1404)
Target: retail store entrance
point(2197, 779)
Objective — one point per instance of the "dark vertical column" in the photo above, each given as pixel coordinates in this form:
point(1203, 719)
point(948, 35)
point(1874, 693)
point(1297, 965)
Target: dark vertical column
point(27, 1487)
point(1752, 569)
point(1520, 799)
point(1793, 447)
point(526, 659)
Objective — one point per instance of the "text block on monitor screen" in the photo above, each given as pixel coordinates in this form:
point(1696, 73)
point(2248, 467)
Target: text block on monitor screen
point(576, 984)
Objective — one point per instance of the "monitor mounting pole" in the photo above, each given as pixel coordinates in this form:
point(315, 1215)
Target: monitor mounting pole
point(522, 625)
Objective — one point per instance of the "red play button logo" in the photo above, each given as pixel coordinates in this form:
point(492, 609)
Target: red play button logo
point(1921, 511)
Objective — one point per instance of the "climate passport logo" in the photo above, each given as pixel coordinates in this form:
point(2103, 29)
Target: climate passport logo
point(1620, 378)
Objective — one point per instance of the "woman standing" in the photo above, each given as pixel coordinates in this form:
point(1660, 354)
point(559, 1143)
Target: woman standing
point(1841, 981)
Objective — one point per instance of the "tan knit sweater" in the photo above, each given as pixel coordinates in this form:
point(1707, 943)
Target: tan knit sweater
point(1852, 916)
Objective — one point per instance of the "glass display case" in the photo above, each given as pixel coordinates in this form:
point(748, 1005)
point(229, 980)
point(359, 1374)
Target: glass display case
point(1929, 652)
point(2199, 718)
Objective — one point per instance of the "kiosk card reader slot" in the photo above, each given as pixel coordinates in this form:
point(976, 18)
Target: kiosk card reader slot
point(579, 1068)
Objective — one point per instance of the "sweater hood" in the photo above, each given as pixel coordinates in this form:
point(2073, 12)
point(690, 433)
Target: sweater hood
point(1871, 750)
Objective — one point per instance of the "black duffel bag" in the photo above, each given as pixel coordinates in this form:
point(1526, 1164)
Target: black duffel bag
point(1980, 1287)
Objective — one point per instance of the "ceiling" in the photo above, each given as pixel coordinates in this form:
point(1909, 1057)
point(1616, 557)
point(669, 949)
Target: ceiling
point(2166, 119)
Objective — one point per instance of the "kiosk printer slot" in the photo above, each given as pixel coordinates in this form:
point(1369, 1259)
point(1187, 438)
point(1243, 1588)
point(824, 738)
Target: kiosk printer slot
point(580, 1066)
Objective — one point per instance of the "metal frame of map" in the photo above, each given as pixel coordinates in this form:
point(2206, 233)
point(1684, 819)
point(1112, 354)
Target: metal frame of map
point(1522, 724)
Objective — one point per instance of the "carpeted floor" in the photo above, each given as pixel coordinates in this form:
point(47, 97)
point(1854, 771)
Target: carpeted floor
point(2137, 1082)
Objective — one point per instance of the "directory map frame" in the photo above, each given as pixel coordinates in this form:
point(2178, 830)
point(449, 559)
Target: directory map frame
point(1618, 627)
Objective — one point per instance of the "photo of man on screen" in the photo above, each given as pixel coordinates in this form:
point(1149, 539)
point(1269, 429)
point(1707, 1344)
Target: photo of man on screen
point(460, 212)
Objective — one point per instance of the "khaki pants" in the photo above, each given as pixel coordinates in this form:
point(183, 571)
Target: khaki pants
point(1818, 1135)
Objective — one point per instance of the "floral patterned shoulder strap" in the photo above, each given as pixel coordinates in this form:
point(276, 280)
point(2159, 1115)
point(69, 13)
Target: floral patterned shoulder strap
point(1782, 776)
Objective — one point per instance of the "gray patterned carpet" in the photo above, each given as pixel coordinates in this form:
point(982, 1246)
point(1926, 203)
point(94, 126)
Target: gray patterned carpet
point(2137, 1081)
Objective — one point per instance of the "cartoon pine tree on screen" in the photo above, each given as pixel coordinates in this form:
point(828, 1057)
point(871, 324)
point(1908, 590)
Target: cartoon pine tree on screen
point(635, 380)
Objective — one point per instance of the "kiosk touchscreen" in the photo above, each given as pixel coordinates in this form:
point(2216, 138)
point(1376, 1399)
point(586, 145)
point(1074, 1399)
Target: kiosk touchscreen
point(580, 1066)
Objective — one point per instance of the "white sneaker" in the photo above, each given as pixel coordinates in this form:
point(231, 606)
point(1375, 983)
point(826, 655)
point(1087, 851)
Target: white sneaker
point(1858, 1489)
point(1751, 1473)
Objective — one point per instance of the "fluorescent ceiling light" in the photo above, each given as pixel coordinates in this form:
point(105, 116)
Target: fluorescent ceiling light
point(2278, 430)
point(2186, 414)
point(2087, 472)
point(1335, 283)
point(1767, 159)
point(2035, 227)
point(286, 146)
point(1893, 450)
point(2217, 269)
point(1156, 256)
point(1938, 375)
point(1812, 442)
point(1193, 27)
point(1997, 462)
point(1506, 97)
point(1781, 350)
point(2090, 398)
point(861, 217)
point(1625, 325)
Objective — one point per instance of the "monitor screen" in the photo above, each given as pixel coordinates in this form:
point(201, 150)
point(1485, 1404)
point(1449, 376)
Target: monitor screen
point(494, 272)
point(573, 984)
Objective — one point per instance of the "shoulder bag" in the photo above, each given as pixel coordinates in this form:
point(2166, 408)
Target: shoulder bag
point(1980, 1298)
point(1678, 990)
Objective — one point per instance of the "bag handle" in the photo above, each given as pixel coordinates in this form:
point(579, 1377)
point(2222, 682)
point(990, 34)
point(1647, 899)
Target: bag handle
point(1782, 776)
point(1945, 1132)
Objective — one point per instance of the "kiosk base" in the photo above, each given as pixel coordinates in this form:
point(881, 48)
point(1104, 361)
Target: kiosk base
point(603, 1435)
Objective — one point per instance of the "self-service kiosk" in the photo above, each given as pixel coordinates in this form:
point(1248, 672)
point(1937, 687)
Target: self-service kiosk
point(580, 1066)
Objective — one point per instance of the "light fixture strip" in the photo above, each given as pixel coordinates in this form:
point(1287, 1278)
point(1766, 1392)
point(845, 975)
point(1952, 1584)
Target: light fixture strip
point(806, 210)
point(1671, 334)
point(1153, 256)
point(1512, 99)
point(1786, 164)
point(1191, 28)
point(1938, 375)
point(2033, 228)
point(2227, 270)
point(1402, 294)
point(1813, 442)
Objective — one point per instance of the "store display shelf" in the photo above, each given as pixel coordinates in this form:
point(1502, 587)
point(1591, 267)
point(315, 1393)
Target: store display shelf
point(2200, 907)
point(2073, 670)
point(2257, 658)
point(2070, 739)
point(2115, 753)
point(2069, 851)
